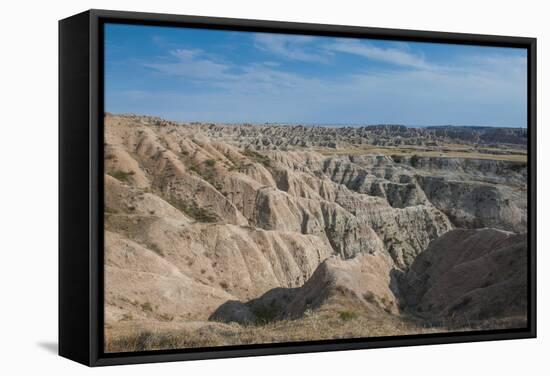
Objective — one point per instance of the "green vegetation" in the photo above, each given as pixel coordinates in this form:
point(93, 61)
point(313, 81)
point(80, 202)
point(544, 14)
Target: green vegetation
point(369, 297)
point(200, 214)
point(108, 211)
point(122, 175)
point(314, 326)
point(166, 317)
point(240, 166)
point(451, 151)
point(518, 167)
point(397, 158)
point(127, 317)
point(207, 172)
point(257, 157)
point(147, 307)
point(153, 247)
point(210, 162)
point(348, 315)
point(194, 211)
point(264, 314)
point(414, 160)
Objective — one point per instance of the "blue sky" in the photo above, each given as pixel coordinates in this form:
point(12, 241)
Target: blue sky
point(227, 76)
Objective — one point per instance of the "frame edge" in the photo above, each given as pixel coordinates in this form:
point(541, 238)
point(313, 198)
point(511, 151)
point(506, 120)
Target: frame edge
point(74, 160)
point(93, 356)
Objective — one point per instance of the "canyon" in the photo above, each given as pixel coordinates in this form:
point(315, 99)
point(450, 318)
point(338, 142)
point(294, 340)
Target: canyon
point(224, 234)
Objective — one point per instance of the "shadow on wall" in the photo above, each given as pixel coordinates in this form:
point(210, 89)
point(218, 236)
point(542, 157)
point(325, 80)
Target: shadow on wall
point(269, 307)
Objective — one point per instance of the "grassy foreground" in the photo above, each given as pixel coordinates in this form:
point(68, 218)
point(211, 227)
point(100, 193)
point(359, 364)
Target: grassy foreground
point(322, 325)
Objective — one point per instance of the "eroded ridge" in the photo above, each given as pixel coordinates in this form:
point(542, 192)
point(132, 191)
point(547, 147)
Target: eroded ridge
point(233, 234)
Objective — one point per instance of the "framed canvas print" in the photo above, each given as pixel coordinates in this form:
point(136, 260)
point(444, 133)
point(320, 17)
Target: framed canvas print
point(236, 187)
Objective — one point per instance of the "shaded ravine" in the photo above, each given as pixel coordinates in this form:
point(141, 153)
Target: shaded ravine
point(434, 290)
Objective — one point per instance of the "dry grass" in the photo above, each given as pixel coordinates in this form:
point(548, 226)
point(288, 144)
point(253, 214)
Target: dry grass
point(193, 210)
point(124, 176)
point(219, 334)
point(320, 325)
point(449, 151)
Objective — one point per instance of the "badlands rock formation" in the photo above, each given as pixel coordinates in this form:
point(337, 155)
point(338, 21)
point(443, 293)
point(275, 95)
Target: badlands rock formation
point(212, 225)
point(471, 274)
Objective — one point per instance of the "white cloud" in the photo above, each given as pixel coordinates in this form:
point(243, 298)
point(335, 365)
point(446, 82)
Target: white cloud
point(186, 54)
point(497, 65)
point(406, 97)
point(194, 66)
point(396, 56)
point(487, 87)
point(292, 47)
point(191, 64)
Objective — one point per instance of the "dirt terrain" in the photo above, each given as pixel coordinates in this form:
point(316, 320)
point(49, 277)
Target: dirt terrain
point(233, 234)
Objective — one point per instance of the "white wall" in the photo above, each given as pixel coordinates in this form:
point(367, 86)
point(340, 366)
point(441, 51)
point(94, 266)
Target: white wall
point(28, 161)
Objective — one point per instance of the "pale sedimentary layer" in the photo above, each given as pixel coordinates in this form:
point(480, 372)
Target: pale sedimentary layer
point(199, 228)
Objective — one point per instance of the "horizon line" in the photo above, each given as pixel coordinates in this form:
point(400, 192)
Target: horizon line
point(315, 124)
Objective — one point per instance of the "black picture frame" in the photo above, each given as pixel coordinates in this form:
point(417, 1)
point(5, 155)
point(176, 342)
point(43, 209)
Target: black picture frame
point(81, 186)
